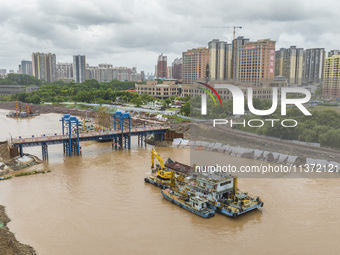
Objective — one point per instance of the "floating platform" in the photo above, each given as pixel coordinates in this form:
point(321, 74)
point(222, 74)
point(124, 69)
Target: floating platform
point(21, 115)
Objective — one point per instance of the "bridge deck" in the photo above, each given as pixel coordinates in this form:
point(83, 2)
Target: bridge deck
point(59, 138)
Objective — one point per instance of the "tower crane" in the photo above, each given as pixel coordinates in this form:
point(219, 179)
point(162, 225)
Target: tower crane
point(233, 27)
point(234, 33)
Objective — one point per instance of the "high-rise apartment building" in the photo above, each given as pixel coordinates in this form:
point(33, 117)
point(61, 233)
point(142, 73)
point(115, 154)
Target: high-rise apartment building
point(142, 75)
point(169, 72)
point(289, 63)
point(64, 71)
point(195, 64)
point(26, 67)
point(162, 66)
point(79, 68)
point(256, 61)
point(220, 60)
point(106, 72)
point(51, 64)
point(44, 66)
point(313, 65)
point(177, 69)
point(333, 52)
point(2, 72)
point(239, 41)
point(331, 77)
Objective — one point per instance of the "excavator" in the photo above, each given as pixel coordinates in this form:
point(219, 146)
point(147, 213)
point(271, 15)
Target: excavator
point(162, 172)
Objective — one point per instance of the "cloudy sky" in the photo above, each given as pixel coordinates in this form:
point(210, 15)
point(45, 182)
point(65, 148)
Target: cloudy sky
point(134, 32)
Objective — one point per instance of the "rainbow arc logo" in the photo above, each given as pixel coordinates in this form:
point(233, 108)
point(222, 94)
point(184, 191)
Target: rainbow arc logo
point(204, 97)
point(213, 90)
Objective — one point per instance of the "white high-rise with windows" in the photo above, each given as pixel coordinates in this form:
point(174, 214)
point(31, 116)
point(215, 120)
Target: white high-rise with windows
point(79, 68)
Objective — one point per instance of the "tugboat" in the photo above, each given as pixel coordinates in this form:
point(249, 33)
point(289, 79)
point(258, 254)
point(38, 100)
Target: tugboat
point(222, 194)
point(196, 205)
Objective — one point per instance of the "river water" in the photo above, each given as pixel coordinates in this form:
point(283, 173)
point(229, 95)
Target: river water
point(99, 204)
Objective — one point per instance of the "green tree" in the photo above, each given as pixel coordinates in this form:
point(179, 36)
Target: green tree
point(185, 109)
point(35, 99)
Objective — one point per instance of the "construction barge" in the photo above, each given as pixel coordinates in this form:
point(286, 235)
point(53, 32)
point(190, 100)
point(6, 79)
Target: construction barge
point(19, 114)
point(218, 190)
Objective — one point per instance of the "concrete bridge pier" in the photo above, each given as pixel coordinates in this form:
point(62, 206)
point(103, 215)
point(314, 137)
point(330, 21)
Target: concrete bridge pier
point(44, 149)
point(21, 152)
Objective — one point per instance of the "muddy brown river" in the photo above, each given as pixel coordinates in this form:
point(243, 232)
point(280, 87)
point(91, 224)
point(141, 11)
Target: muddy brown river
point(99, 204)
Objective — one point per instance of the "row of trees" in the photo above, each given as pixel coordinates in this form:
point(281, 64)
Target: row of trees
point(89, 91)
point(322, 127)
point(19, 79)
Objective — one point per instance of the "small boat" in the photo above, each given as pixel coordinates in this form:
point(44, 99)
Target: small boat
point(229, 207)
point(196, 205)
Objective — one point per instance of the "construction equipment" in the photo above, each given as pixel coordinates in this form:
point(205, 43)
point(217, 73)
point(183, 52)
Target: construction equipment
point(234, 187)
point(162, 172)
point(233, 43)
point(172, 180)
point(234, 28)
point(103, 119)
point(28, 109)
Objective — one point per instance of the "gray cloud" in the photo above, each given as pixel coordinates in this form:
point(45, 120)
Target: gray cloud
point(135, 32)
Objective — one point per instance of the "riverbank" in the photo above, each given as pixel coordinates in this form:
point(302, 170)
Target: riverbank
point(42, 108)
point(9, 245)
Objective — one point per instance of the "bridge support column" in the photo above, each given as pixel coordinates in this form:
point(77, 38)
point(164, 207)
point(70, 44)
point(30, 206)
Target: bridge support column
point(44, 152)
point(120, 143)
point(66, 150)
point(21, 152)
point(75, 150)
point(129, 141)
point(115, 143)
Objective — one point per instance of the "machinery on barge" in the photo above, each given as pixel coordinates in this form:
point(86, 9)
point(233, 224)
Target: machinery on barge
point(222, 193)
point(183, 187)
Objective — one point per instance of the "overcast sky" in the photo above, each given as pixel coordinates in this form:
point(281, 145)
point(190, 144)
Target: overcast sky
point(134, 32)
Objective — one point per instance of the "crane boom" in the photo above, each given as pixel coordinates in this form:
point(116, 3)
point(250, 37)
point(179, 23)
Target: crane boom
point(161, 171)
point(234, 28)
point(154, 155)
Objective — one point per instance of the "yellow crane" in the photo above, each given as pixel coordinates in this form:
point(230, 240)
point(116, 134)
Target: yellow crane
point(162, 172)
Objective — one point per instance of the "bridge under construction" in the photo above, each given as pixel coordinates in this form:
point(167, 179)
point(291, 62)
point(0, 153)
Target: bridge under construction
point(120, 135)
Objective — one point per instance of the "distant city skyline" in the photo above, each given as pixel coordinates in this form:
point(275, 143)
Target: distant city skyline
point(135, 33)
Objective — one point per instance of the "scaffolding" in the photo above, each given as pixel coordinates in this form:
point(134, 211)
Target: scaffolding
point(103, 119)
point(70, 126)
